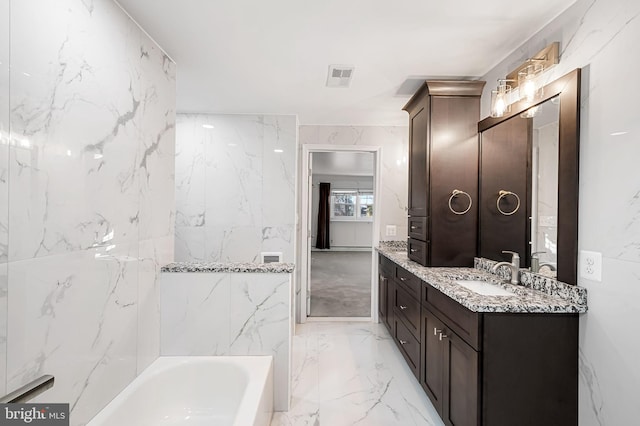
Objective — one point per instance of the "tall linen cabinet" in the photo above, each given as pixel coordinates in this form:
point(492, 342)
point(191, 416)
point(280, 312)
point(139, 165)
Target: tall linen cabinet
point(443, 172)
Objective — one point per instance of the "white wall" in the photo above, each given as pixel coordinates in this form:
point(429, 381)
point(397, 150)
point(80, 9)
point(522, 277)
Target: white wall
point(86, 194)
point(602, 37)
point(216, 313)
point(342, 234)
point(235, 195)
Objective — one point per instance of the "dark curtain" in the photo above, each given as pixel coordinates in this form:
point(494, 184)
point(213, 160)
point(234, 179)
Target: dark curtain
point(322, 237)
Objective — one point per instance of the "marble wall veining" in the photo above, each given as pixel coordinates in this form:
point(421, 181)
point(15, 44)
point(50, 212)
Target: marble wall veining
point(222, 313)
point(87, 172)
point(599, 36)
point(235, 187)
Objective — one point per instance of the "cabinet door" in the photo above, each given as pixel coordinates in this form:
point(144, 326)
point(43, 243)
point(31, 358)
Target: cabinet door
point(391, 301)
point(382, 297)
point(460, 396)
point(454, 165)
point(386, 299)
point(432, 358)
point(418, 158)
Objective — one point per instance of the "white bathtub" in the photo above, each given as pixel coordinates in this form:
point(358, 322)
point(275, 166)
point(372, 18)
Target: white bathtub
point(196, 391)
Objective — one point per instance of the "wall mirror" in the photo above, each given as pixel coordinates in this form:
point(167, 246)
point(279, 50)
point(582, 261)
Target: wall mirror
point(528, 191)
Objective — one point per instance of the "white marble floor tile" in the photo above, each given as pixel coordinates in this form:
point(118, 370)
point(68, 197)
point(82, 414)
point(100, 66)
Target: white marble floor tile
point(352, 374)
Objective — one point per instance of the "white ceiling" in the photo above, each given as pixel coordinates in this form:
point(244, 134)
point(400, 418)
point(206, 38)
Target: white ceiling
point(252, 56)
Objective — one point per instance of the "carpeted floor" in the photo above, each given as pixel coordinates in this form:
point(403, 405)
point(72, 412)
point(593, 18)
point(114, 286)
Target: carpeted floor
point(340, 284)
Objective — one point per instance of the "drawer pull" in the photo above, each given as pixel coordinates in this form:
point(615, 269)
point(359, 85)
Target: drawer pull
point(443, 336)
point(403, 307)
point(436, 331)
point(413, 227)
point(403, 342)
point(414, 250)
point(403, 279)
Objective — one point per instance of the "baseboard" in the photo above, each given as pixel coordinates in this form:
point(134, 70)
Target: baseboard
point(339, 319)
point(332, 249)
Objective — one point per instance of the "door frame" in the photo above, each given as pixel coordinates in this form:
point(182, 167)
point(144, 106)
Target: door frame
point(306, 232)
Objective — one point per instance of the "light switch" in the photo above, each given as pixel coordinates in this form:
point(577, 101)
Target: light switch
point(591, 265)
point(392, 231)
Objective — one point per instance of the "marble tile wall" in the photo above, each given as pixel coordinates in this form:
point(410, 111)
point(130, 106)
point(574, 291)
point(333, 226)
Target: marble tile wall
point(213, 313)
point(599, 36)
point(87, 173)
point(5, 36)
point(235, 195)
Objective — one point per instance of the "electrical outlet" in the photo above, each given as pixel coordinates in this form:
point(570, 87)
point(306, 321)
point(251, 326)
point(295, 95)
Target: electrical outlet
point(591, 265)
point(391, 231)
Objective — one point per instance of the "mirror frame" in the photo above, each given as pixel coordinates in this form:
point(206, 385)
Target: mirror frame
point(567, 88)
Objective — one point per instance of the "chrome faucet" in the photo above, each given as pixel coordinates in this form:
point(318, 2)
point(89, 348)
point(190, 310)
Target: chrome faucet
point(514, 265)
point(535, 260)
point(536, 265)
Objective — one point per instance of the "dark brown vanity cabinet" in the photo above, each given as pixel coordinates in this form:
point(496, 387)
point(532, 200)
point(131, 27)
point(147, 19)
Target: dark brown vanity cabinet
point(498, 369)
point(443, 172)
point(449, 373)
point(482, 368)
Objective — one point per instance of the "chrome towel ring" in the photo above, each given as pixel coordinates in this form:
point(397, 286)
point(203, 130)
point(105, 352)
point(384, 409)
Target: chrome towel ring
point(455, 193)
point(502, 194)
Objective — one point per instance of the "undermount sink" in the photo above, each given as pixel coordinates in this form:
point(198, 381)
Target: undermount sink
point(484, 288)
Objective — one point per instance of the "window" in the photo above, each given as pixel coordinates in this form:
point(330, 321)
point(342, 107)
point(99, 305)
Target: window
point(352, 205)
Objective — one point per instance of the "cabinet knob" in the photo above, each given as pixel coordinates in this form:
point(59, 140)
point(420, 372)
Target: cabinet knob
point(414, 250)
point(436, 331)
point(443, 336)
point(413, 227)
point(403, 342)
point(403, 307)
point(403, 279)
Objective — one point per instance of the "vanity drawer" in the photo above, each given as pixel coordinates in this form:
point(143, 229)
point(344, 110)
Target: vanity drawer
point(461, 320)
point(408, 308)
point(409, 346)
point(418, 251)
point(418, 228)
point(410, 282)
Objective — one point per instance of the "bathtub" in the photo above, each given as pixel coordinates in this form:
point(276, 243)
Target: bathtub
point(198, 391)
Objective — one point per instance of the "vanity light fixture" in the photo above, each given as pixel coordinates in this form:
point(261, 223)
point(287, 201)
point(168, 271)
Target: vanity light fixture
point(527, 78)
point(529, 81)
point(501, 99)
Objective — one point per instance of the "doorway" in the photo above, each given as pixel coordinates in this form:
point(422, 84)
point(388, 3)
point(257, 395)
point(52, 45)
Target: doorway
point(337, 276)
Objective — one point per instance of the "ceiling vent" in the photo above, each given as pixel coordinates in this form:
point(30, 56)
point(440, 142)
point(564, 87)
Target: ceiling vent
point(340, 75)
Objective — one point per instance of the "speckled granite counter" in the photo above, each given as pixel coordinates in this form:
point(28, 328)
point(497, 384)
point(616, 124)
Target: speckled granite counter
point(267, 268)
point(537, 294)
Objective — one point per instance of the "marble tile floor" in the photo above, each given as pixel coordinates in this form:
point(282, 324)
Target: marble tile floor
point(347, 374)
point(340, 284)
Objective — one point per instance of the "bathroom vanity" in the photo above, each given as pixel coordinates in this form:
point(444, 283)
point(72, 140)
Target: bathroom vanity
point(506, 357)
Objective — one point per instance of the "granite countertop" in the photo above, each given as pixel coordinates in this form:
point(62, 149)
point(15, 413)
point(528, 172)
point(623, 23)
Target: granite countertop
point(241, 267)
point(535, 295)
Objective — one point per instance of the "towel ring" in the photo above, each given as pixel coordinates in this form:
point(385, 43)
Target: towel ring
point(455, 193)
point(502, 194)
